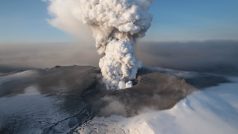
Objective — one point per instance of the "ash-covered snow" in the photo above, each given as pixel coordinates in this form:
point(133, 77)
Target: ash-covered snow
point(61, 99)
point(210, 111)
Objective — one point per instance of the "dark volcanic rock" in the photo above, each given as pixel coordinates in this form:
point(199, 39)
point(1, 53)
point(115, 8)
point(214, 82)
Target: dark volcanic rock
point(154, 91)
point(76, 84)
point(59, 99)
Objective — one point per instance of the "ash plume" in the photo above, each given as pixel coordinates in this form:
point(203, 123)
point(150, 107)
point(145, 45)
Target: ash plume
point(116, 25)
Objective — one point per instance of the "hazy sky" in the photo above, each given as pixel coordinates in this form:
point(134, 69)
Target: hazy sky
point(174, 20)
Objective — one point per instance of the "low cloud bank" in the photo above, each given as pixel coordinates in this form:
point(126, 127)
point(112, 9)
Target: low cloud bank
point(209, 56)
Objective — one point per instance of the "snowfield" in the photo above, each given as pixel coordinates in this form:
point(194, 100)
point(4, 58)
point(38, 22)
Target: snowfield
point(29, 107)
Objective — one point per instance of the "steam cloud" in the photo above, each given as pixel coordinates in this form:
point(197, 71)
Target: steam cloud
point(116, 25)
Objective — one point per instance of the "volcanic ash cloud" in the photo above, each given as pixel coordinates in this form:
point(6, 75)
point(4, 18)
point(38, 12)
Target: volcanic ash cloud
point(116, 25)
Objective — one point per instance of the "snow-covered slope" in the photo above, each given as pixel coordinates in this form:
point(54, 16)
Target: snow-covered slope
point(210, 111)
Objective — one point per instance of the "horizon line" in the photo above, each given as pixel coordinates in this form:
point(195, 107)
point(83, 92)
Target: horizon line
point(139, 41)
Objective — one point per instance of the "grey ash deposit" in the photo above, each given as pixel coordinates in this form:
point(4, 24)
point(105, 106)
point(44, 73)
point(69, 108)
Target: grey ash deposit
point(62, 98)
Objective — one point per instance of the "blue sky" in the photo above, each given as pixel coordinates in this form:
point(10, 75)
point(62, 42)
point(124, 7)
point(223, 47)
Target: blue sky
point(174, 20)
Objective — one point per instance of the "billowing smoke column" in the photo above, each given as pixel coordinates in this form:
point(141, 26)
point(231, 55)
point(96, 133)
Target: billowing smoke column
point(116, 25)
